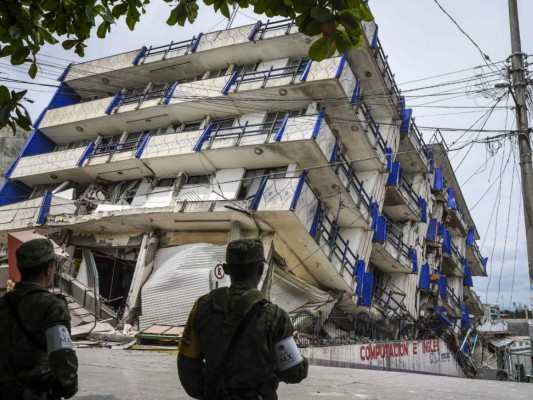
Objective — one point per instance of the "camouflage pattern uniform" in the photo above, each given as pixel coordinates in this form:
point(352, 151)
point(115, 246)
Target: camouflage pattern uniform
point(251, 372)
point(27, 371)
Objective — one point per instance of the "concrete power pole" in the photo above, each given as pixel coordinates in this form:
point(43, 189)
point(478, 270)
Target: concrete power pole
point(519, 87)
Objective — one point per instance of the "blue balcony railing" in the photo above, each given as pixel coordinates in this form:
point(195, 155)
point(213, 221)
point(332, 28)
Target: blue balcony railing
point(148, 95)
point(385, 70)
point(260, 30)
point(265, 75)
point(166, 50)
point(372, 126)
point(343, 167)
point(387, 232)
point(454, 205)
point(327, 232)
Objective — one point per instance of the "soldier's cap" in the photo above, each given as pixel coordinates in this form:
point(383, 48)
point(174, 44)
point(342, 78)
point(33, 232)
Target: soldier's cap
point(35, 252)
point(245, 251)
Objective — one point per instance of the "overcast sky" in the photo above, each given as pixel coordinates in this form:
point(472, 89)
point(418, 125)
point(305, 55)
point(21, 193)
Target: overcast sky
point(421, 42)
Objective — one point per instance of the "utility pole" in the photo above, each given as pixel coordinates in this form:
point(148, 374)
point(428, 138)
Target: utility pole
point(526, 170)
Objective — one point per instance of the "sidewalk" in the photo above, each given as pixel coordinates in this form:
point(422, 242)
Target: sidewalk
point(123, 374)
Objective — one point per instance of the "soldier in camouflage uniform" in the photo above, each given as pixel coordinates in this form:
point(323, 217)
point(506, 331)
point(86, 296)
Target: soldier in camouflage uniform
point(252, 366)
point(37, 359)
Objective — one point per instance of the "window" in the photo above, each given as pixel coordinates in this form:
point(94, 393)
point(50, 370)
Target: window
point(222, 123)
point(166, 182)
point(198, 180)
point(298, 65)
point(253, 178)
point(191, 126)
point(217, 73)
point(242, 69)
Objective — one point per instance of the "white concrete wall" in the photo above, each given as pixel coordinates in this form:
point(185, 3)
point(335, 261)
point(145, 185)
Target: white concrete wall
point(172, 144)
point(76, 113)
point(428, 356)
point(101, 66)
point(49, 162)
point(19, 215)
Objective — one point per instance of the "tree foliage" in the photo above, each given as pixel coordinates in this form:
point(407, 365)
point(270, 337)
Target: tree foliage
point(27, 25)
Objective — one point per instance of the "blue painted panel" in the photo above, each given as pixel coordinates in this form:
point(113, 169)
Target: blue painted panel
point(406, 120)
point(380, 234)
point(252, 33)
point(368, 290)
point(281, 129)
point(298, 190)
point(64, 73)
point(443, 286)
point(465, 317)
point(170, 93)
point(334, 152)
point(303, 78)
point(140, 54)
point(230, 82)
point(375, 215)
point(64, 96)
point(484, 262)
point(447, 242)
point(422, 203)
point(374, 41)
point(431, 158)
point(468, 274)
point(257, 198)
point(394, 175)
point(114, 102)
point(318, 122)
point(402, 105)
point(470, 237)
point(142, 146)
point(45, 207)
point(451, 198)
point(431, 234)
point(424, 282)
point(38, 143)
point(357, 91)
point(314, 225)
point(194, 46)
point(205, 135)
point(341, 65)
point(414, 260)
point(438, 182)
point(86, 154)
point(441, 311)
point(13, 192)
point(388, 155)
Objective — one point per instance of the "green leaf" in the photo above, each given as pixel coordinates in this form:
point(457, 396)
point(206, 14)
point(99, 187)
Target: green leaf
point(130, 21)
point(47, 36)
point(69, 44)
point(20, 55)
point(5, 111)
point(102, 30)
point(119, 10)
point(6, 51)
point(321, 14)
point(224, 9)
point(18, 96)
point(301, 6)
point(342, 41)
point(319, 49)
point(14, 32)
point(33, 70)
point(5, 97)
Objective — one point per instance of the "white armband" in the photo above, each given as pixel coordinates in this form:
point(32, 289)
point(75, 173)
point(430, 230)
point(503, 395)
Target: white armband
point(287, 354)
point(57, 338)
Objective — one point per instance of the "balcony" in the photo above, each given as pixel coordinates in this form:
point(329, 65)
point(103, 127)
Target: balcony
point(370, 63)
point(32, 213)
point(401, 201)
point(190, 57)
point(413, 154)
point(438, 186)
point(477, 263)
point(389, 252)
point(388, 300)
point(472, 301)
point(452, 260)
point(458, 221)
point(33, 170)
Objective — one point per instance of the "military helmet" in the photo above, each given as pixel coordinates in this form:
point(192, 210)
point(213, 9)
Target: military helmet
point(245, 251)
point(35, 252)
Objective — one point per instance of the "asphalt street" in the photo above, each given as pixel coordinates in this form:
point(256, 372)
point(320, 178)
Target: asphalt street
point(131, 374)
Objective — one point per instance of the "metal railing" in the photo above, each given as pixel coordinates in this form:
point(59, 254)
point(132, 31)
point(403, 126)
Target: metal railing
point(453, 299)
point(353, 184)
point(261, 29)
point(107, 147)
point(371, 124)
point(147, 95)
point(395, 237)
point(408, 187)
point(219, 132)
point(271, 73)
point(384, 298)
point(415, 132)
point(339, 248)
point(171, 47)
point(386, 71)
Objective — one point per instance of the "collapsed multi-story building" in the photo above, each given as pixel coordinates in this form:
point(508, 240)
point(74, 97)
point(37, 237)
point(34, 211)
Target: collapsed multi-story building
point(146, 163)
